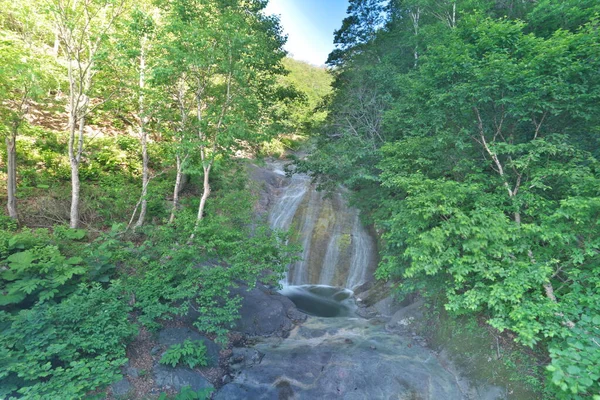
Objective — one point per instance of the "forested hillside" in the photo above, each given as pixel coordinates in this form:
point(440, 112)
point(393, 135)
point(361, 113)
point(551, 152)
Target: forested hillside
point(125, 125)
point(469, 134)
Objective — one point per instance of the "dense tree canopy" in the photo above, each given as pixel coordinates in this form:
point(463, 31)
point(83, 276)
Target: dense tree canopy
point(121, 117)
point(469, 132)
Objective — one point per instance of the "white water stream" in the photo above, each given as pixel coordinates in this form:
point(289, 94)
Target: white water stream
point(337, 249)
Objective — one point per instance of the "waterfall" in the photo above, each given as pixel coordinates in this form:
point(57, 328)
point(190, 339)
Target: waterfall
point(337, 249)
point(282, 213)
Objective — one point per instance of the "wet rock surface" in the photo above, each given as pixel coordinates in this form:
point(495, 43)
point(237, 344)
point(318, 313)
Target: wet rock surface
point(346, 358)
point(337, 249)
point(169, 378)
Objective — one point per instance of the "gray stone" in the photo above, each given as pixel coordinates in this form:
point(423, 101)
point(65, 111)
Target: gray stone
point(405, 317)
point(344, 358)
point(177, 378)
point(121, 388)
point(242, 358)
point(130, 371)
point(172, 336)
point(237, 391)
point(387, 307)
point(266, 313)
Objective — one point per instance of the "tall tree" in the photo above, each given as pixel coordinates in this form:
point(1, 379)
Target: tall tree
point(364, 18)
point(22, 79)
point(82, 26)
point(138, 40)
point(224, 56)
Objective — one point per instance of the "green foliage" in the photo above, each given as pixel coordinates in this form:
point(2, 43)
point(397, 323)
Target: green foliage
point(66, 233)
point(171, 278)
point(34, 271)
point(64, 311)
point(472, 142)
point(68, 348)
point(187, 393)
point(190, 353)
point(302, 93)
point(8, 224)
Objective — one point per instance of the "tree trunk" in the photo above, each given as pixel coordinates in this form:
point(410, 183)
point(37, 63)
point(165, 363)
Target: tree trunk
point(205, 194)
point(143, 137)
point(75, 160)
point(416, 16)
point(75, 189)
point(11, 186)
point(145, 180)
point(178, 180)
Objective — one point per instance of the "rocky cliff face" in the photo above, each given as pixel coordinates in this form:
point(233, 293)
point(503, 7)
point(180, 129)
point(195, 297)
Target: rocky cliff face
point(337, 249)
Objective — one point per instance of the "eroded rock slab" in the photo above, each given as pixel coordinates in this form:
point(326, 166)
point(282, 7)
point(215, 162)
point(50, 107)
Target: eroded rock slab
point(344, 358)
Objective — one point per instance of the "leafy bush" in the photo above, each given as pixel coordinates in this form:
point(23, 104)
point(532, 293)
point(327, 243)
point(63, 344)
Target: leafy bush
point(7, 223)
point(172, 275)
point(33, 271)
point(575, 366)
point(64, 232)
point(191, 353)
point(65, 350)
point(187, 393)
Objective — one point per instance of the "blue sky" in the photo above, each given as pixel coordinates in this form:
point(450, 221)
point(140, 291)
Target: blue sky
point(309, 25)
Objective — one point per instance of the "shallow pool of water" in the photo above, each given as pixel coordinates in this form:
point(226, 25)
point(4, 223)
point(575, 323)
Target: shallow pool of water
point(321, 300)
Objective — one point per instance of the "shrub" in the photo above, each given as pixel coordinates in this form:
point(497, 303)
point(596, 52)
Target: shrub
point(187, 393)
point(191, 353)
point(65, 350)
point(33, 271)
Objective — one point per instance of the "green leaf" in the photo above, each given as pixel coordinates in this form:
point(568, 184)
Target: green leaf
point(74, 261)
point(11, 298)
point(573, 370)
point(21, 260)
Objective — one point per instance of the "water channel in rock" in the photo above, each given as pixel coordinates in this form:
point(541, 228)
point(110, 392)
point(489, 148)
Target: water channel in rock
point(338, 253)
point(336, 353)
point(337, 250)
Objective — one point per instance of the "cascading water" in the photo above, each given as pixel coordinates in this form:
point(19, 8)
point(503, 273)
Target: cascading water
point(337, 250)
point(335, 353)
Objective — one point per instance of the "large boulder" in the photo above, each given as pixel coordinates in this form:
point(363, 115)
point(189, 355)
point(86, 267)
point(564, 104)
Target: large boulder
point(121, 389)
point(265, 312)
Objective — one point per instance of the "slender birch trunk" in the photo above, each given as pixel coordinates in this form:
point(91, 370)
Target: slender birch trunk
point(80, 45)
point(177, 189)
point(143, 136)
point(79, 109)
point(207, 165)
point(11, 164)
point(179, 159)
point(73, 159)
point(205, 192)
point(416, 16)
